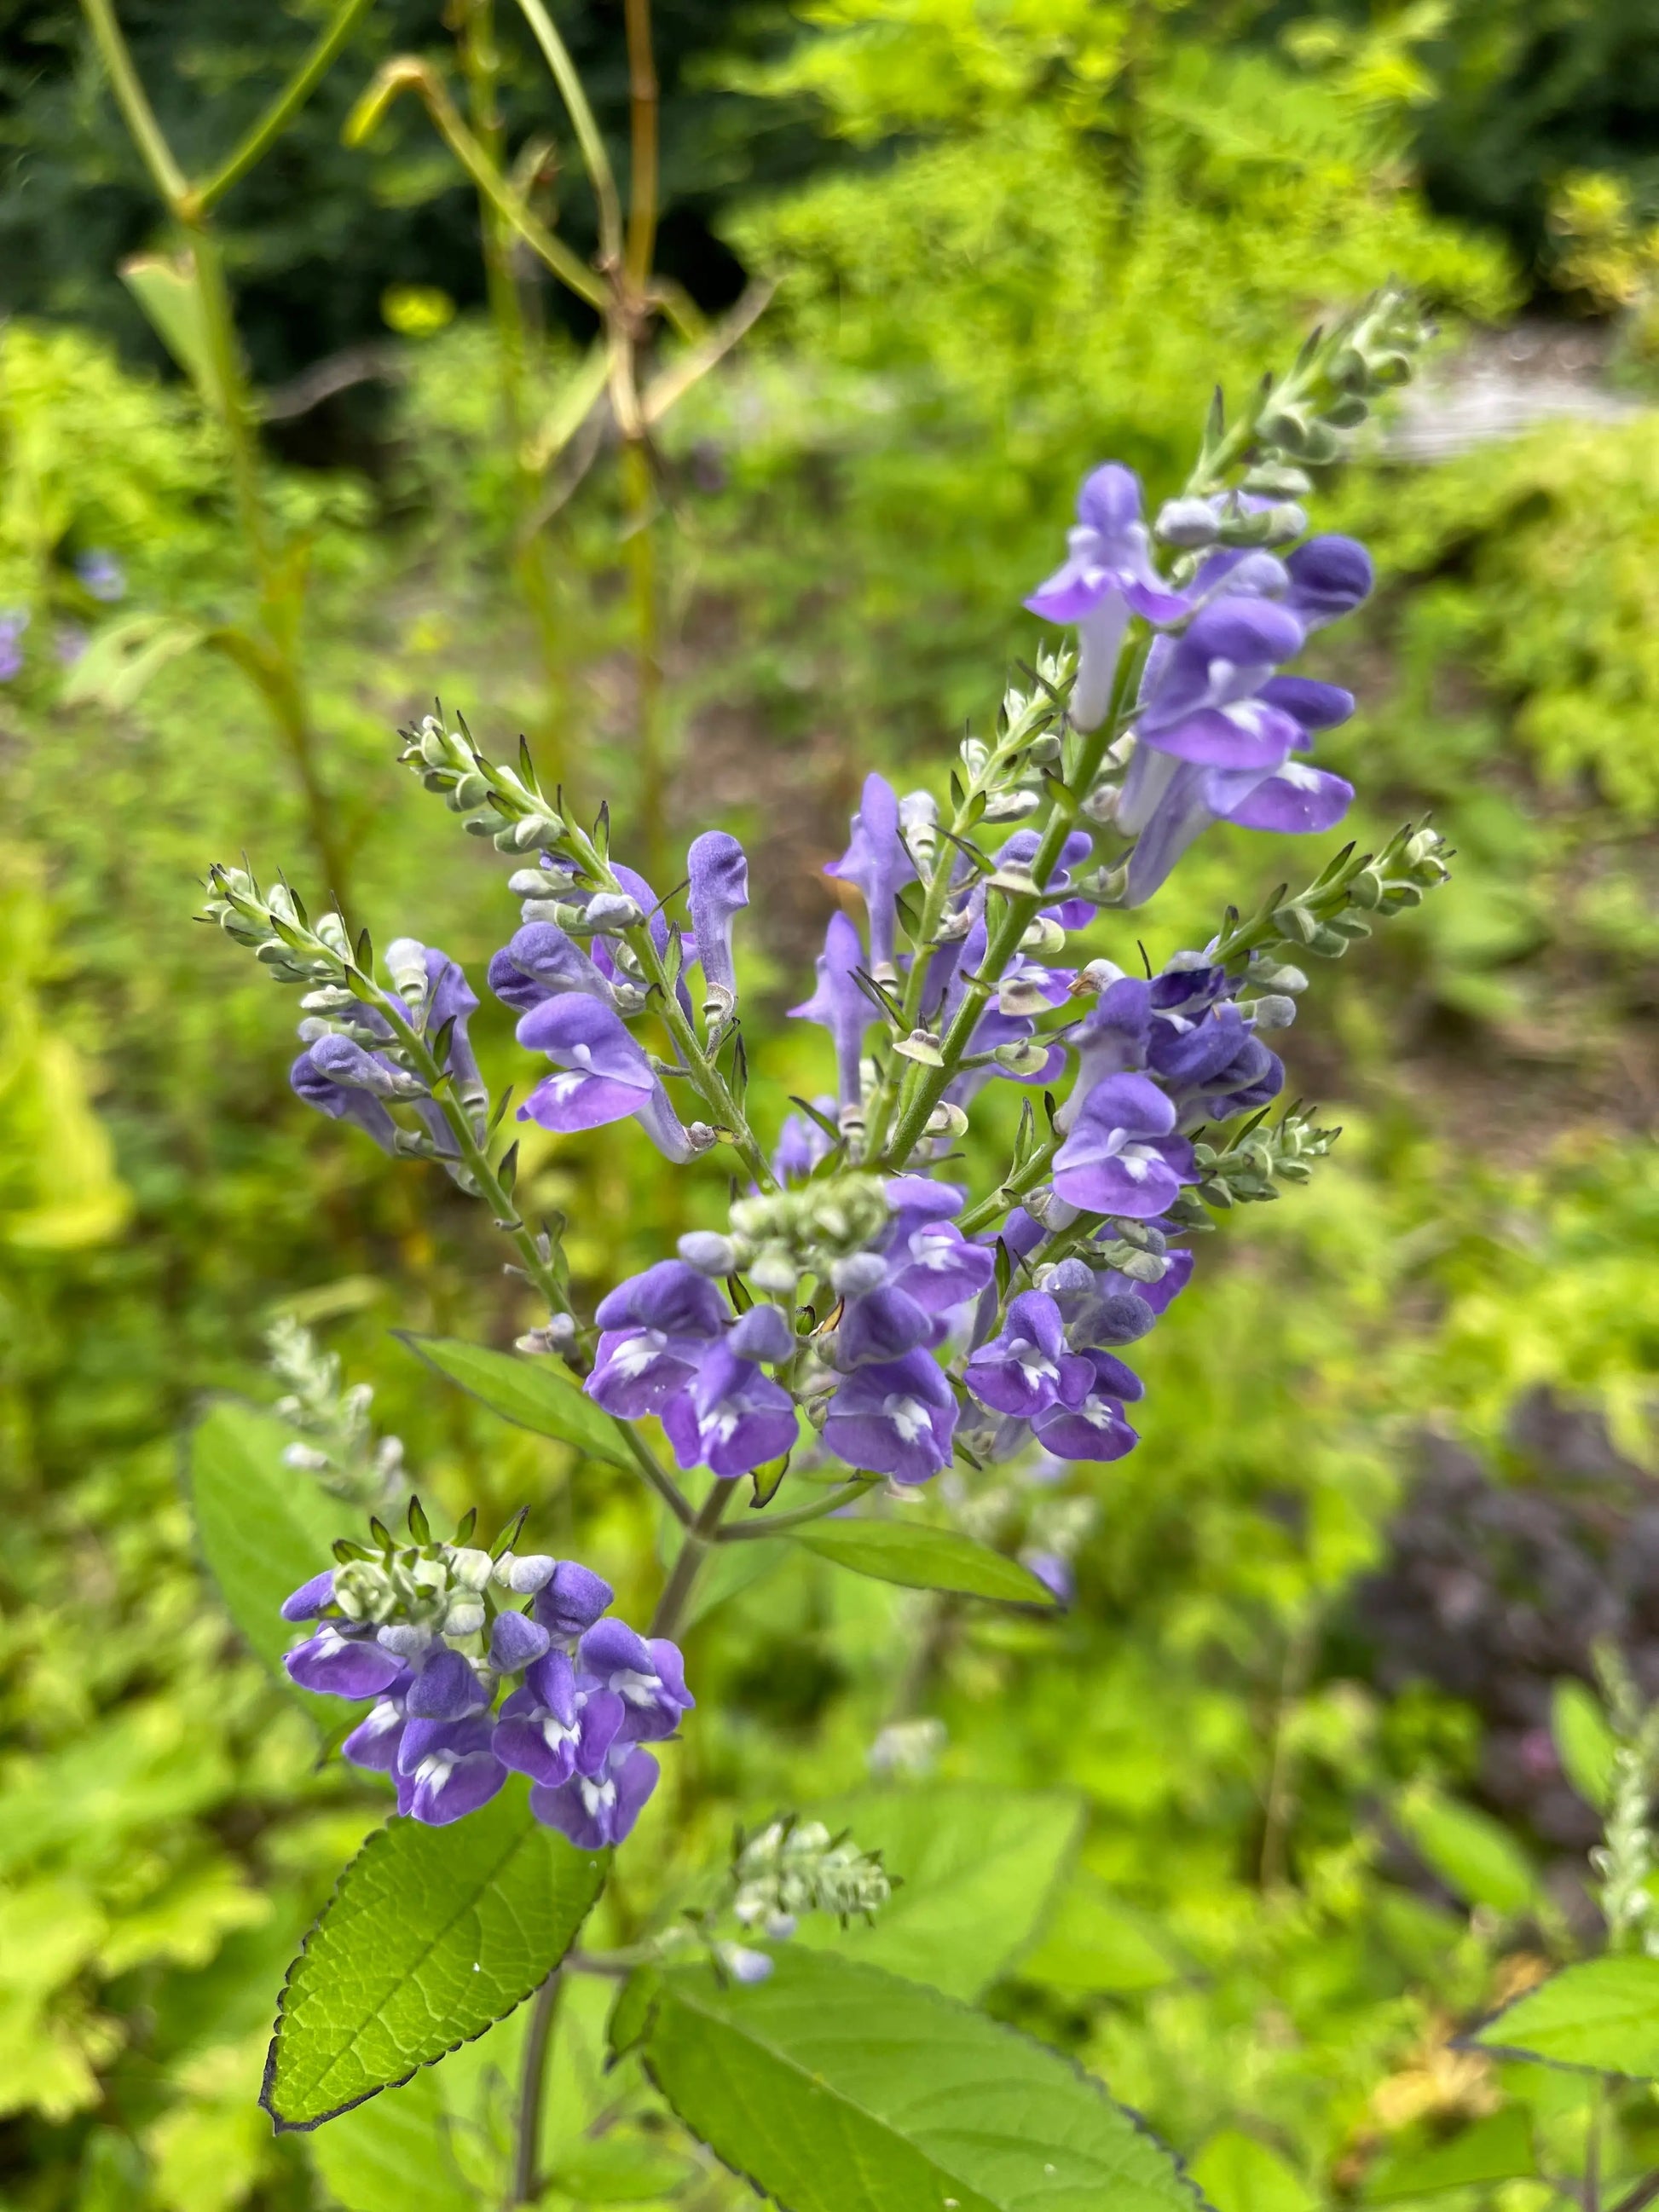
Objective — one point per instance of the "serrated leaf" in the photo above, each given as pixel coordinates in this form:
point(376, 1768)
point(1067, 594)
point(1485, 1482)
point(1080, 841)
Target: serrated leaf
point(431, 1935)
point(264, 1528)
point(838, 2087)
point(1602, 2015)
point(977, 1869)
point(1496, 2148)
point(1471, 1853)
point(1584, 1742)
point(916, 1556)
point(393, 2155)
point(532, 1394)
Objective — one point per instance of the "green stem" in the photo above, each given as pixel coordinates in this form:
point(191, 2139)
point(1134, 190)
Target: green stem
point(532, 2090)
point(133, 101)
point(699, 1539)
point(1012, 1189)
point(589, 137)
point(286, 106)
point(778, 1524)
point(641, 499)
point(642, 110)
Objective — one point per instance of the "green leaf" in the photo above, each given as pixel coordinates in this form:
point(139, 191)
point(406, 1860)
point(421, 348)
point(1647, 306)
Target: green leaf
point(532, 1394)
point(1471, 1853)
point(1095, 1943)
point(1602, 2015)
point(919, 1557)
point(431, 1935)
point(1239, 2174)
point(1498, 2148)
point(976, 1868)
point(264, 1530)
point(837, 2088)
point(122, 657)
point(393, 2155)
point(621, 2166)
point(1584, 1743)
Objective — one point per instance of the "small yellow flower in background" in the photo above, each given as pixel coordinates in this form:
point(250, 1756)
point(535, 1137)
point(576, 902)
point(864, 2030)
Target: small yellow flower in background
point(416, 310)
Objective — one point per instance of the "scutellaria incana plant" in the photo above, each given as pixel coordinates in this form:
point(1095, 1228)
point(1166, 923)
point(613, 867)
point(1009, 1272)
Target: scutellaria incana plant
point(863, 1321)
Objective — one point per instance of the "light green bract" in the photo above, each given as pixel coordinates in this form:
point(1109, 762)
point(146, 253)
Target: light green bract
point(432, 1934)
point(837, 2088)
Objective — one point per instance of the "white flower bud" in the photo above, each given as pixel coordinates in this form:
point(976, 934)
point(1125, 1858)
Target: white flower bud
point(524, 1572)
point(469, 1567)
point(466, 1615)
point(859, 1273)
point(708, 1252)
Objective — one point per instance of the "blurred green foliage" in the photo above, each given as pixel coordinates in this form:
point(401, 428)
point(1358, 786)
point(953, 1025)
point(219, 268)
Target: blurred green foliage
point(1060, 227)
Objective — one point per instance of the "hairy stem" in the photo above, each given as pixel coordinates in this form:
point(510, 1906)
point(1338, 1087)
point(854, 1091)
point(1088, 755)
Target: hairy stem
point(698, 1540)
point(532, 2085)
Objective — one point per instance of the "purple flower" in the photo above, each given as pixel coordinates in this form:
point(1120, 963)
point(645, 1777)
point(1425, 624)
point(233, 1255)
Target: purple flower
point(658, 1329)
point(1121, 1155)
point(539, 963)
point(1329, 577)
point(342, 1102)
point(102, 576)
point(445, 1688)
point(840, 1005)
point(1053, 1571)
point(1095, 1427)
point(13, 621)
point(896, 1418)
point(1027, 1369)
point(446, 1769)
point(571, 1599)
point(731, 1417)
point(598, 1811)
point(309, 1600)
point(606, 1075)
point(719, 890)
point(649, 1679)
point(554, 1727)
point(878, 862)
point(375, 1741)
point(343, 1663)
point(801, 1143)
point(517, 1642)
point(1107, 574)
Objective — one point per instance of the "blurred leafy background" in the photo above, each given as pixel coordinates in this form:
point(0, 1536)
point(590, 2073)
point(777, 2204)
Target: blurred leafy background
point(1397, 1465)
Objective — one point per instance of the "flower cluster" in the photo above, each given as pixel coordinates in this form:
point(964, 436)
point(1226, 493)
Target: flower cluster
point(466, 1685)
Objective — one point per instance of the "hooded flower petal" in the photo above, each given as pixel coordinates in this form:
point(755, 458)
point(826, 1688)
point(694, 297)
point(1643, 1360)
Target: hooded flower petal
point(596, 1812)
point(839, 1004)
point(338, 1665)
point(1120, 1156)
point(719, 871)
point(895, 1418)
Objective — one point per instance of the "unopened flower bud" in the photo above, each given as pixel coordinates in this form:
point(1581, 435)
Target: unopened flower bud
point(743, 1964)
point(613, 910)
point(1274, 1012)
point(1188, 523)
point(858, 1273)
point(708, 1252)
point(524, 1572)
point(464, 1615)
point(469, 1567)
point(946, 1119)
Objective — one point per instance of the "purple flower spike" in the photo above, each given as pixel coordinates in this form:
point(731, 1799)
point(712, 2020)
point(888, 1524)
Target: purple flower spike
point(453, 1773)
point(877, 861)
point(731, 1417)
point(1027, 1369)
point(544, 1726)
point(606, 1076)
point(648, 1678)
point(658, 1329)
point(374, 1743)
point(1095, 1429)
point(1298, 800)
point(840, 1005)
point(572, 1599)
point(600, 1811)
point(515, 1641)
point(1107, 574)
point(895, 1418)
point(1120, 1156)
point(340, 1666)
point(719, 890)
point(308, 1600)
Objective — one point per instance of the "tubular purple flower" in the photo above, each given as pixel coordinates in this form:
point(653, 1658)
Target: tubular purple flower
point(718, 870)
point(1027, 1368)
point(594, 1812)
point(1329, 577)
point(896, 1419)
point(375, 1741)
point(538, 962)
point(445, 1688)
point(658, 1328)
point(801, 1143)
point(840, 1005)
point(1120, 1156)
point(553, 1727)
point(571, 1599)
point(649, 1678)
point(1107, 574)
point(731, 1417)
point(1094, 1428)
point(877, 861)
point(341, 1103)
point(339, 1664)
point(516, 1642)
point(308, 1600)
point(606, 1076)
point(446, 1769)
